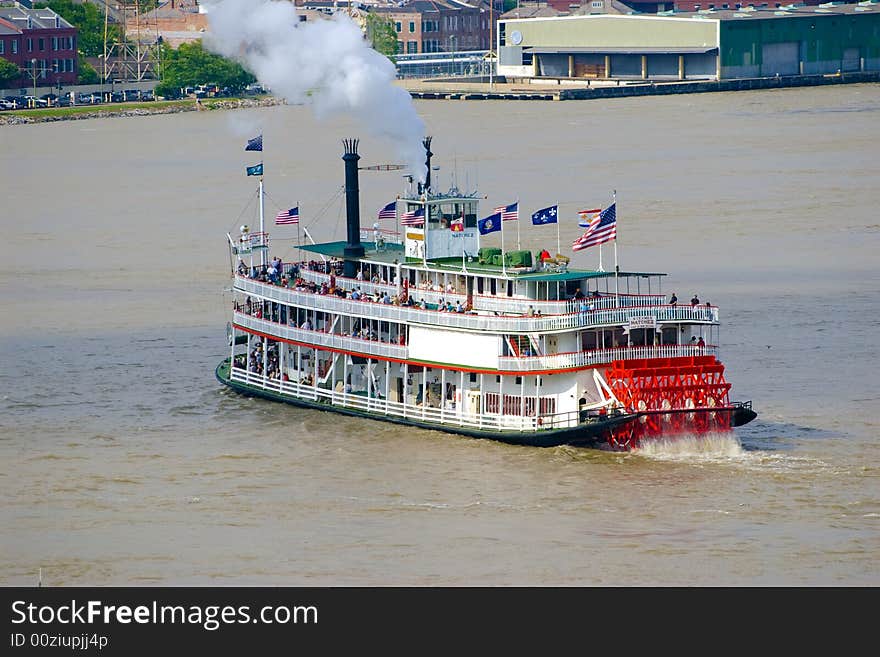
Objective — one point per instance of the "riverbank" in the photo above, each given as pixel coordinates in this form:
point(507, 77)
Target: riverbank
point(565, 89)
point(18, 117)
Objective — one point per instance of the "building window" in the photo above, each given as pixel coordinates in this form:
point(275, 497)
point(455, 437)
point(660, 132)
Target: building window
point(398, 27)
point(412, 47)
point(2, 47)
point(54, 43)
point(42, 45)
point(55, 68)
point(597, 4)
point(412, 27)
point(14, 47)
point(30, 44)
point(400, 46)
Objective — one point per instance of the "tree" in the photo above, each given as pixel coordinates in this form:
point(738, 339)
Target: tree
point(382, 35)
point(87, 73)
point(191, 65)
point(8, 72)
point(89, 21)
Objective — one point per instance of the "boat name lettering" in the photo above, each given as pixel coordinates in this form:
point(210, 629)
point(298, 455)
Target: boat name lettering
point(642, 321)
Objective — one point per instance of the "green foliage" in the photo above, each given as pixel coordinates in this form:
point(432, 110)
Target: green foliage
point(87, 73)
point(382, 35)
point(89, 21)
point(8, 72)
point(191, 65)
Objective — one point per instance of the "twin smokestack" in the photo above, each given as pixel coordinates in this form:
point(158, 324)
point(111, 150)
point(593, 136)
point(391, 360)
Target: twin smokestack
point(354, 250)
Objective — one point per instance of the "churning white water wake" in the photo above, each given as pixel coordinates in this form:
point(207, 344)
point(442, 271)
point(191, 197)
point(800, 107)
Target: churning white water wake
point(692, 447)
point(724, 448)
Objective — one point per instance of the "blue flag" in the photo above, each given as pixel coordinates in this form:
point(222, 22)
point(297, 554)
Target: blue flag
point(256, 170)
point(545, 216)
point(490, 224)
point(255, 144)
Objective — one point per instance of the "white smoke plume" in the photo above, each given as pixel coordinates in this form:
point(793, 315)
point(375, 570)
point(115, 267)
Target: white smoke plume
point(327, 64)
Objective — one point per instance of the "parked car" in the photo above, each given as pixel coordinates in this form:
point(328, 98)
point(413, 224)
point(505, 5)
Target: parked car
point(147, 96)
point(32, 102)
point(6, 104)
point(16, 102)
point(131, 94)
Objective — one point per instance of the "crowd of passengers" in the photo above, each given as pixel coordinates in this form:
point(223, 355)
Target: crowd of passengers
point(287, 275)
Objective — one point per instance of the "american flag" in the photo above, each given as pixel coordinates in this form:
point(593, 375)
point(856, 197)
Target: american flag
point(509, 212)
point(604, 231)
point(589, 218)
point(413, 217)
point(389, 211)
point(287, 216)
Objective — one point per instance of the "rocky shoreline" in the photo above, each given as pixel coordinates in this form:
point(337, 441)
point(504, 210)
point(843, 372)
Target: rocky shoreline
point(122, 111)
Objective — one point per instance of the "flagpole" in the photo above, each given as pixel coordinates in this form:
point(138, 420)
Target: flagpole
point(262, 225)
point(616, 267)
point(503, 258)
point(298, 238)
point(518, 245)
point(558, 244)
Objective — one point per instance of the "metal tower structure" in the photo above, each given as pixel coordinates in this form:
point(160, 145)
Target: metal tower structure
point(134, 56)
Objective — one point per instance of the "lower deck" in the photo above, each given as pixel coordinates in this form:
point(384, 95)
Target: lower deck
point(581, 429)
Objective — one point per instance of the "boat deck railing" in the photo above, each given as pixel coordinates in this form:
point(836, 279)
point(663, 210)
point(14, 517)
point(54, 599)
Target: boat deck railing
point(432, 296)
point(322, 339)
point(474, 320)
point(599, 356)
point(425, 413)
point(379, 349)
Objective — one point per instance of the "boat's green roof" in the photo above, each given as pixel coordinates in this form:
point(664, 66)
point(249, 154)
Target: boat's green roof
point(393, 253)
point(337, 250)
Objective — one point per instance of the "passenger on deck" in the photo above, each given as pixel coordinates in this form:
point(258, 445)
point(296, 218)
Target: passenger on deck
point(673, 300)
point(701, 342)
point(695, 301)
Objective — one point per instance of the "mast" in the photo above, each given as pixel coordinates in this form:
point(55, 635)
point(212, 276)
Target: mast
point(616, 266)
point(262, 227)
point(558, 245)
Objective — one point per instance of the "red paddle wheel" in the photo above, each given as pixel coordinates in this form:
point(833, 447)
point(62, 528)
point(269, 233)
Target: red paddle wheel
point(674, 395)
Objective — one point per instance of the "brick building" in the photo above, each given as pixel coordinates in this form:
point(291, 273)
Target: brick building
point(41, 44)
point(438, 25)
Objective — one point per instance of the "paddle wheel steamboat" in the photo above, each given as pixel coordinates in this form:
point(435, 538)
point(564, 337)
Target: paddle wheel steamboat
point(427, 328)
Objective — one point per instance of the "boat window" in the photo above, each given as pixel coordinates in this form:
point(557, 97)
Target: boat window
point(492, 286)
point(510, 288)
point(479, 284)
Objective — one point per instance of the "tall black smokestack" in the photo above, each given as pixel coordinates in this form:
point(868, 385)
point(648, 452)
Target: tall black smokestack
point(353, 249)
point(428, 154)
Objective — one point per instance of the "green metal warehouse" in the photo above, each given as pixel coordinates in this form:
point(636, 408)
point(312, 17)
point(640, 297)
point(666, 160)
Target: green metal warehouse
point(706, 45)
